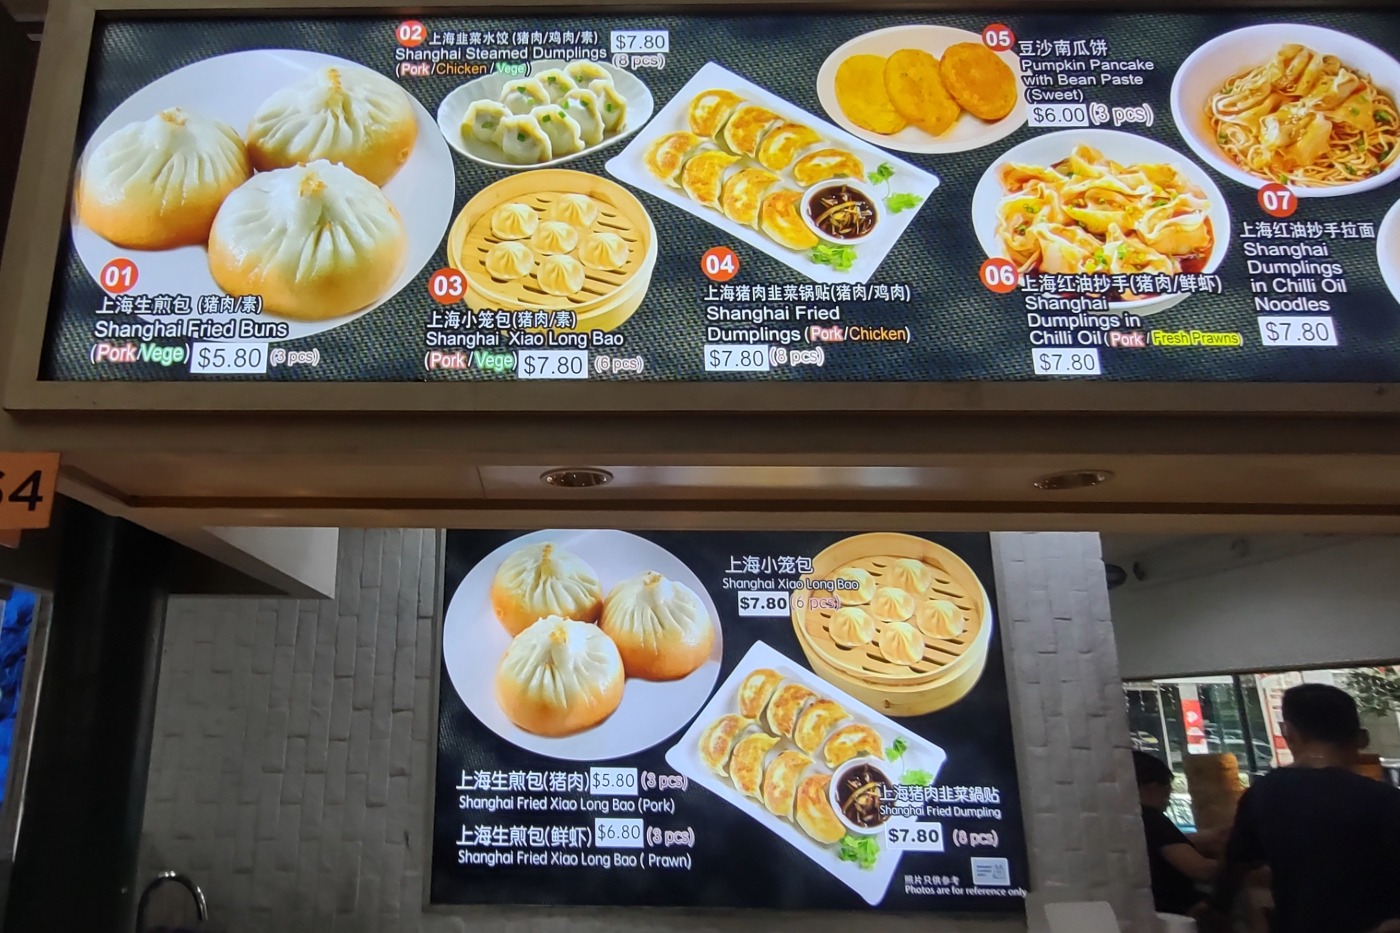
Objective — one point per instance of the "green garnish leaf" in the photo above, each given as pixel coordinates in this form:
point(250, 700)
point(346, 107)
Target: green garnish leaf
point(609, 106)
point(863, 850)
point(917, 778)
point(520, 137)
point(545, 119)
point(903, 202)
point(884, 173)
point(1383, 118)
point(897, 750)
point(840, 258)
point(489, 124)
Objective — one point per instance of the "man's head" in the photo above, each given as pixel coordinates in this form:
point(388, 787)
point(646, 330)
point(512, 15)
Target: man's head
point(1154, 780)
point(1321, 715)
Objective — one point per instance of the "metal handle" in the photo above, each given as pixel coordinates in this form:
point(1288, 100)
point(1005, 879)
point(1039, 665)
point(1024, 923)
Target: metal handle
point(162, 879)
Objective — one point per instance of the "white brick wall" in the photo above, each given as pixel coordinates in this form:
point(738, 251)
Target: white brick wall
point(289, 774)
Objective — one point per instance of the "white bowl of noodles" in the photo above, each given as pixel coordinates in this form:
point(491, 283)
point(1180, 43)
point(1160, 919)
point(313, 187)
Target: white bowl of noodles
point(1303, 106)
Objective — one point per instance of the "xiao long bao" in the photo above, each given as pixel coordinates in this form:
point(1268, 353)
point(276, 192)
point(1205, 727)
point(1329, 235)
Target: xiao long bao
point(559, 676)
point(544, 580)
point(661, 627)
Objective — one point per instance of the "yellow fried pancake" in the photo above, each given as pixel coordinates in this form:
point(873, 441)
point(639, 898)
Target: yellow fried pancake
point(979, 80)
point(916, 89)
point(860, 92)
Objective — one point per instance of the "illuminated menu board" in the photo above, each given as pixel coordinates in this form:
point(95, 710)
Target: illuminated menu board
point(850, 198)
point(780, 720)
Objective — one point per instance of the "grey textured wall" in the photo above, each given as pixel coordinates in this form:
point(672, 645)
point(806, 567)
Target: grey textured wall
point(290, 768)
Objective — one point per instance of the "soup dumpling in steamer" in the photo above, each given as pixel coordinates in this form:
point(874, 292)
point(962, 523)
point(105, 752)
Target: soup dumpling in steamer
point(576, 210)
point(911, 575)
point(939, 618)
point(554, 237)
point(661, 626)
point(856, 595)
point(558, 677)
point(509, 261)
point(514, 221)
point(891, 604)
point(542, 580)
point(561, 275)
point(902, 643)
point(852, 627)
point(604, 251)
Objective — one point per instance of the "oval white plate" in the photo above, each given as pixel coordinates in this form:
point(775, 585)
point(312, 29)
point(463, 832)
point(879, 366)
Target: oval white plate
point(1124, 148)
point(473, 642)
point(968, 133)
point(1388, 250)
point(1210, 66)
point(453, 108)
point(231, 88)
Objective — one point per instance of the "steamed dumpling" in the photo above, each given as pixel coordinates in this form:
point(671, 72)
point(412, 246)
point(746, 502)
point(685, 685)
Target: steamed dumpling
point(852, 626)
point(576, 210)
point(902, 643)
point(510, 260)
point(939, 618)
point(562, 130)
point(717, 741)
point(348, 115)
point(612, 106)
point(559, 676)
point(553, 236)
point(524, 141)
point(661, 626)
point(542, 580)
point(891, 604)
point(583, 107)
point(910, 575)
point(523, 95)
point(482, 121)
point(860, 593)
point(561, 275)
point(604, 251)
point(157, 184)
point(315, 241)
point(556, 83)
point(585, 72)
point(514, 222)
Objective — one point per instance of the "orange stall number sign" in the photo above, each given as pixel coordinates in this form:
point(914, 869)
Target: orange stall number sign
point(27, 489)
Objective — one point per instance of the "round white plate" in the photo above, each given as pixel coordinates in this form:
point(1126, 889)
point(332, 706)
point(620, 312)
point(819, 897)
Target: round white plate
point(231, 88)
point(1124, 148)
point(1210, 66)
point(1388, 250)
point(453, 108)
point(968, 133)
point(473, 642)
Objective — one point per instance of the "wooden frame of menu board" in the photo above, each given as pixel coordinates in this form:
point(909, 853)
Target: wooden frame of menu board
point(40, 210)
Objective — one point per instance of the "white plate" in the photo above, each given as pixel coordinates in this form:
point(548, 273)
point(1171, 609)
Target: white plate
point(231, 88)
point(454, 107)
point(1223, 57)
point(1124, 148)
point(921, 754)
point(628, 167)
point(1388, 250)
point(968, 133)
point(473, 642)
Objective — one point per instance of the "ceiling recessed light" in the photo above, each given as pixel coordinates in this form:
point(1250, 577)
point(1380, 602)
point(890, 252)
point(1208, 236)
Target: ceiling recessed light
point(1073, 479)
point(577, 477)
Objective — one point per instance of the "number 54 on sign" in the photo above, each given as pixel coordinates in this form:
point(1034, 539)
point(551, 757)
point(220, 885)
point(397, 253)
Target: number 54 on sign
point(27, 484)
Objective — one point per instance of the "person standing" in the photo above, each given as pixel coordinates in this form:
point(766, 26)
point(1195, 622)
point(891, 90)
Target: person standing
point(1176, 865)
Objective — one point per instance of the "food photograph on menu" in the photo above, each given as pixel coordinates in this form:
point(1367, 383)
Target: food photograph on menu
point(1170, 197)
point(785, 720)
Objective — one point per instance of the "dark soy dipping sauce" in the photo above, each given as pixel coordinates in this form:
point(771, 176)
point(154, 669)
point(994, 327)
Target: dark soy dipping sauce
point(859, 792)
point(842, 213)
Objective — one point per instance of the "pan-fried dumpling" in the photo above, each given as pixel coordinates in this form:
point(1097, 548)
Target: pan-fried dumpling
point(911, 575)
point(813, 812)
point(509, 260)
point(514, 222)
point(558, 677)
point(661, 626)
point(746, 764)
point(576, 210)
point(938, 618)
point(743, 193)
point(582, 106)
point(585, 72)
point(703, 176)
point(785, 707)
point(565, 137)
point(604, 251)
point(780, 782)
point(524, 141)
point(779, 218)
point(523, 95)
point(891, 604)
point(824, 164)
point(756, 690)
point(852, 740)
point(542, 580)
point(157, 184)
point(561, 275)
point(315, 241)
point(556, 83)
point(352, 116)
point(902, 643)
point(612, 106)
point(746, 128)
point(816, 722)
point(852, 626)
point(665, 157)
point(711, 109)
point(856, 595)
point(717, 741)
point(781, 146)
point(482, 120)
point(553, 237)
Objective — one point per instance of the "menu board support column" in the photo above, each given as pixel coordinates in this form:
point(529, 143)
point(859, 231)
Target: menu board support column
point(76, 855)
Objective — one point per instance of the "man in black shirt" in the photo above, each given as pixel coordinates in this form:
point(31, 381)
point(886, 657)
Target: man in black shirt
point(1175, 864)
point(1330, 837)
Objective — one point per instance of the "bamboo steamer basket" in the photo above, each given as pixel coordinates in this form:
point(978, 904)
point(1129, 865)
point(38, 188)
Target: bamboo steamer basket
point(949, 668)
point(607, 299)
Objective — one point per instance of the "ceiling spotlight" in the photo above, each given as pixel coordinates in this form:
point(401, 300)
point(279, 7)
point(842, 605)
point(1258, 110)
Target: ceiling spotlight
point(1073, 479)
point(576, 477)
